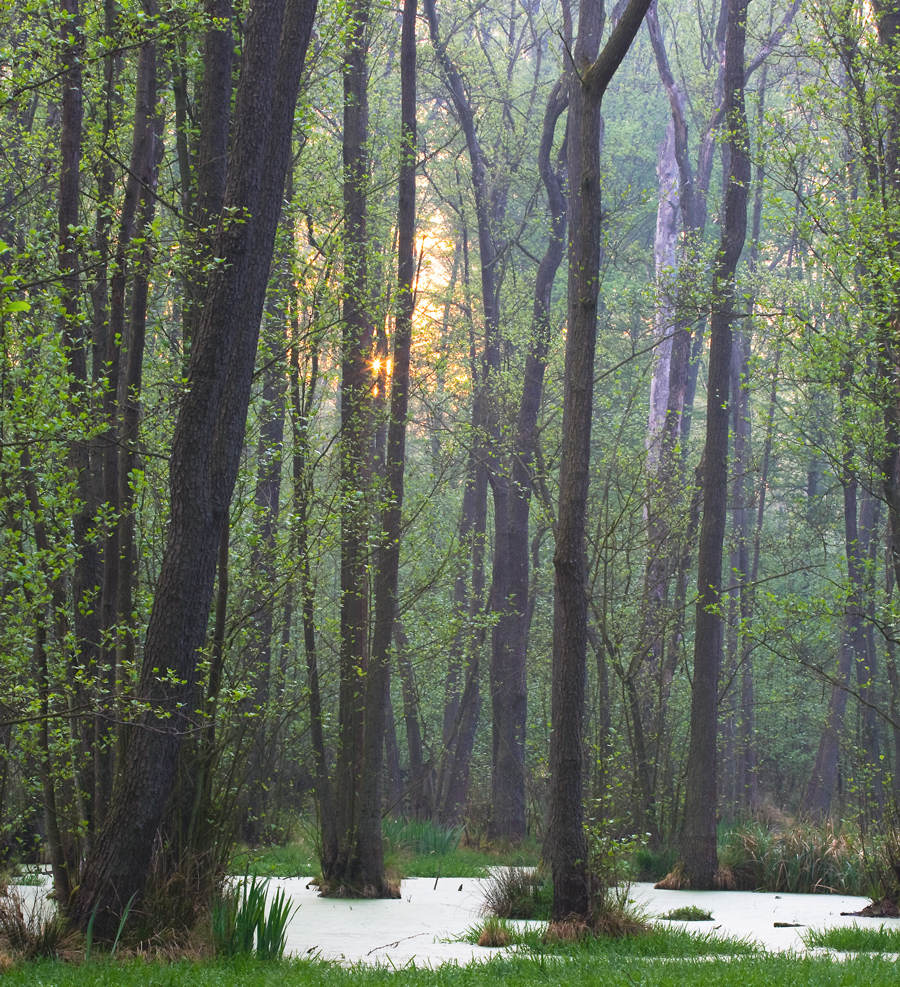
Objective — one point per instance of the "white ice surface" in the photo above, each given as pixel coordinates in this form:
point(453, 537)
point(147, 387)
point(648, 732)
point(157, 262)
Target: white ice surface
point(412, 927)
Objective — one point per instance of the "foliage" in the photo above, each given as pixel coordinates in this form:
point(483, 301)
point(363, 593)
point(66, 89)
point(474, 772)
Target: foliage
point(421, 837)
point(415, 848)
point(297, 859)
point(653, 865)
point(821, 297)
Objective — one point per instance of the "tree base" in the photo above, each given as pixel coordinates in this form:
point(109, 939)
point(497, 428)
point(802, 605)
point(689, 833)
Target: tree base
point(344, 889)
point(887, 907)
point(677, 880)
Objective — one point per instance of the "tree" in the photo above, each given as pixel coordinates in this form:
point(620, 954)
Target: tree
point(699, 838)
point(591, 75)
point(206, 450)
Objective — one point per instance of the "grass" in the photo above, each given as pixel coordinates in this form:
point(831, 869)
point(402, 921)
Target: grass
point(687, 913)
point(854, 939)
point(653, 865)
point(413, 848)
point(801, 859)
point(583, 968)
point(519, 892)
point(244, 920)
point(657, 941)
point(298, 859)
point(29, 877)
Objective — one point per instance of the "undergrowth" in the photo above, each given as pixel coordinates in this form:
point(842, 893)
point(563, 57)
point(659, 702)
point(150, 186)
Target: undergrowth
point(30, 928)
point(800, 859)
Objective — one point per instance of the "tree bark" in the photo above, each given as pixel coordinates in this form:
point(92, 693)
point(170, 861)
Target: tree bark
point(699, 837)
point(590, 76)
point(356, 461)
point(369, 852)
point(205, 455)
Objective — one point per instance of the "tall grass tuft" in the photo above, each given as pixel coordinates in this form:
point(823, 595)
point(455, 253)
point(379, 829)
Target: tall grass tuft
point(803, 859)
point(519, 892)
point(421, 836)
point(243, 921)
point(854, 939)
point(30, 930)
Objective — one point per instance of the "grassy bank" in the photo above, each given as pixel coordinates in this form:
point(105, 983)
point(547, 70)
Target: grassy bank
point(411, 848)
point(576, 971)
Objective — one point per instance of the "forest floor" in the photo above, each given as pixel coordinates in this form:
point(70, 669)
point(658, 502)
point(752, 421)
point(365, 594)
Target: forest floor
point(426, 922)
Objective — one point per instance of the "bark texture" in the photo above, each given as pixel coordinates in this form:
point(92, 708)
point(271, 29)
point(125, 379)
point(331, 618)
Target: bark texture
point(699, 837)
point(205, 455)
point(589, 79)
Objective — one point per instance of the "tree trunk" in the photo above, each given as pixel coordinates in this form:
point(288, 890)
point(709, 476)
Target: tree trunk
point(205, 456)
point(859, 521)
point(356, 465)
point(589, 78)
point(369, 851)
point(267, 500)
point(699, 838)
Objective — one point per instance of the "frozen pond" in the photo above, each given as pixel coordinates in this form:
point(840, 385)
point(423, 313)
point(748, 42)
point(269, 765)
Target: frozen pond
point(414, 927)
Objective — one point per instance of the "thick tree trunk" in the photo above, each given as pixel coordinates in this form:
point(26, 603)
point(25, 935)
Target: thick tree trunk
point(356, 464)
point(205, 455)
point(589, 78)
point(699, 837)
point(369, 851)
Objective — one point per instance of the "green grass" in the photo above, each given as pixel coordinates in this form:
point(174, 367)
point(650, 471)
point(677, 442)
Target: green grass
point(29, 877)
point(412, 848)
point(800, 859)
point(519, 892)
point(658, 941)
point(294, 860)
point(854, 939)
point(688, 913)
point(582, 969)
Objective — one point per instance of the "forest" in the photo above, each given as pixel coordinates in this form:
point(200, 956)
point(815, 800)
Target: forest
point(485, 413)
